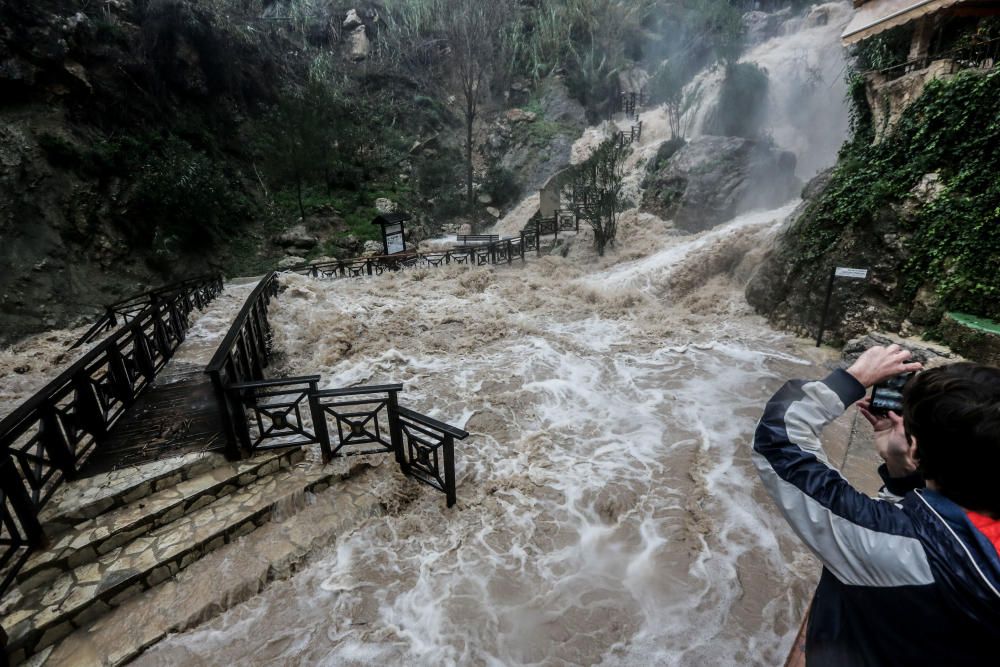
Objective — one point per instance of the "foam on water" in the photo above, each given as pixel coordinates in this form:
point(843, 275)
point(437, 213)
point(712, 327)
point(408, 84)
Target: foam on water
point(607, 507)
point(652, 271)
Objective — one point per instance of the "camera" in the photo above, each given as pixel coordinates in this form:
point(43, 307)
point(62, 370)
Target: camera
point(888, 396)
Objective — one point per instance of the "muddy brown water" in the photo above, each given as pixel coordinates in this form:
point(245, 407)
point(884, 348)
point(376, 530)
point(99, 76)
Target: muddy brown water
point(608, 512)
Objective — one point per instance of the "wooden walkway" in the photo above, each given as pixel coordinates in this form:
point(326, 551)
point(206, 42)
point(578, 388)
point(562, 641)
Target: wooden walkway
point(177, 415)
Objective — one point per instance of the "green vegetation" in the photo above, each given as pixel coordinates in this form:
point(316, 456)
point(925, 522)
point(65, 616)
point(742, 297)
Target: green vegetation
point(603, 174)
point(951, 242)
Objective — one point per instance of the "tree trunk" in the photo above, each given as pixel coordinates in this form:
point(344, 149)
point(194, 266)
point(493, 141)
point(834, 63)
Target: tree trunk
point(468, 161)
point(298, 191)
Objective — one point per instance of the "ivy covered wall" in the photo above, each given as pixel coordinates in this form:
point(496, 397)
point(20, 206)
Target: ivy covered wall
point(921, 208)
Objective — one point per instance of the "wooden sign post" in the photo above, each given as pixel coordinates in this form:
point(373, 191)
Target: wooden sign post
point(836, 272)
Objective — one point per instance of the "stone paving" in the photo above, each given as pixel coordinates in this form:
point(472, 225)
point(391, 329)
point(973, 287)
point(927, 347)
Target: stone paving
point(224, 578)
point(78, 597)
point(97, 536)
point(86, 498)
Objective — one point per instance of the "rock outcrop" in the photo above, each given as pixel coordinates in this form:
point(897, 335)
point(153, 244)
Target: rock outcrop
point(789, 286)
point(712, 179)
point(534, 145)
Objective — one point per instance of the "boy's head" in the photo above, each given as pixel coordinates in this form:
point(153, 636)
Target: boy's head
point(953, 414)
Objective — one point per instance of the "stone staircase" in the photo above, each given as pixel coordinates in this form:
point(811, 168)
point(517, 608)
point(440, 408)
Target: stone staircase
point(117, 534)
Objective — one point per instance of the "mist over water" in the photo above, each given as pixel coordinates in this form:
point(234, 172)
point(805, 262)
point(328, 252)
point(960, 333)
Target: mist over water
point(806, 104)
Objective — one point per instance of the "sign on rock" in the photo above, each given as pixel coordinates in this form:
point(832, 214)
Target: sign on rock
point(844, 272)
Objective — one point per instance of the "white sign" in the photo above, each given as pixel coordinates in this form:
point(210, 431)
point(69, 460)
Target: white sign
point(844, 272)
point(394, 243)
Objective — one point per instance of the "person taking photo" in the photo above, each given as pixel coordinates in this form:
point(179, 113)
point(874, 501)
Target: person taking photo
point(912, 577)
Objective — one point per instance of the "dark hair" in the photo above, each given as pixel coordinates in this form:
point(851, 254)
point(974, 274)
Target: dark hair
point(954, 413)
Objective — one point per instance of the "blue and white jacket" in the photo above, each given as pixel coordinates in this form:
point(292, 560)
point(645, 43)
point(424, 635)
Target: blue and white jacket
point(906, 581)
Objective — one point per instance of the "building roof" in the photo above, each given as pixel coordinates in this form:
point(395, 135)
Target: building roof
point(390, 218)
point(874, 16)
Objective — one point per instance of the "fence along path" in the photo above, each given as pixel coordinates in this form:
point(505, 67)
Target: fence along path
point(63, 565)
point(107, 411)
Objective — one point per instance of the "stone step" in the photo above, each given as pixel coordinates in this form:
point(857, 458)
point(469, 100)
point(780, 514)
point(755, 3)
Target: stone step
point(87, 540)
point(90, 497)
point(232, 574)
point(78, 597)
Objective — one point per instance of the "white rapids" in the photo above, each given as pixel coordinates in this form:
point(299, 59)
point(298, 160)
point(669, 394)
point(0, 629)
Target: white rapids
point(608, 512)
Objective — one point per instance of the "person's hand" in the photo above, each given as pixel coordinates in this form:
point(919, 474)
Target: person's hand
point(890, 440)
point(881, 363)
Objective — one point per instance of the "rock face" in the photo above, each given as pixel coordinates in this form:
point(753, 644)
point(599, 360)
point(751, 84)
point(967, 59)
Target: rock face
point(975, 338)
point(353, 20)
point(712, 179)
point(297, 238)
point(790, 284)
point(929, 354)
point(888, 98)
point(534, 146)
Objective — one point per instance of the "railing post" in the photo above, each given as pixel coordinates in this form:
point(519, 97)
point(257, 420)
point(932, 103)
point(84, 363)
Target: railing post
point(319, 423)
point(88, 408)
point(20, 500)
point(396, 433)
point(510, 253)
point(121, 382)
point(233, 452)
point(449, 468)
point(179, 321)
point(54, 442)
point(143, 356)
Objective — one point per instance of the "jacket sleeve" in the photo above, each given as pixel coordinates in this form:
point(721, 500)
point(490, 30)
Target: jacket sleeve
point(862, 541)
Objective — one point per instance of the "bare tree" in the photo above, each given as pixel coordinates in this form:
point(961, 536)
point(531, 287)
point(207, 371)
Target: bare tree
point(476, 34)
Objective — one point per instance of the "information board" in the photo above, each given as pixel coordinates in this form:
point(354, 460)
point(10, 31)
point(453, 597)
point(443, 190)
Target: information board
point(844, 272)
point(394, 243)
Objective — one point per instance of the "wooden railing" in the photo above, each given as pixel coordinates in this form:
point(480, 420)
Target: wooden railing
point(242, 357)
point(503, 251)
point(46, 439)
point(195, 293)
point(261, 414)
point(467, 239)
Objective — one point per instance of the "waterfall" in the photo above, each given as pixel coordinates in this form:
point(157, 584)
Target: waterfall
point(806, 108)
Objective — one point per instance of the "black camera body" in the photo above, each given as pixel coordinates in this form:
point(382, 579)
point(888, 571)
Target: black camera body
point(888, 396)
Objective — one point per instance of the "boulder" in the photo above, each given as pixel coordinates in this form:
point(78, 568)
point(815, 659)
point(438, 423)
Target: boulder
point(493, 211)
point(520, 116)
point(291, 261)
point(372, 248)
point(385, 205)
point(711, 179)
point(485, 198)
point(927, 353)
point(359, 47)
point(296, 237)
point(975, 338)
point(353, 20)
